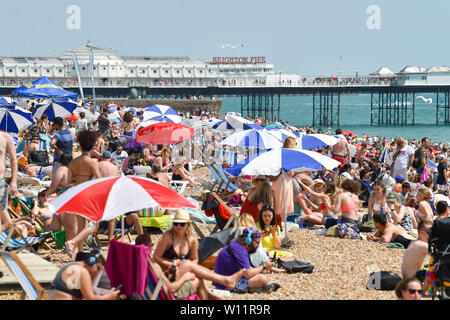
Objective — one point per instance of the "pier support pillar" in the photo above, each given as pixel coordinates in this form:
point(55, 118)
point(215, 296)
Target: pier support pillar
point(326, 109)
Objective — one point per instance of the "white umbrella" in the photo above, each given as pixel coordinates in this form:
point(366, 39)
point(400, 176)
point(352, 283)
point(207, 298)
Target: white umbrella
point(55, 108)
point(14, 119)
point(161, 113)
point(239, 123)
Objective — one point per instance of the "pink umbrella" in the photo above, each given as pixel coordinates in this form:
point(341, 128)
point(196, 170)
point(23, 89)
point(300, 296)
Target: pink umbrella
point(110, 197)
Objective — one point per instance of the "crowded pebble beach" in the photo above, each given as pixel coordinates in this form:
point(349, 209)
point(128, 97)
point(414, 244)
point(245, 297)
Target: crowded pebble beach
point(358, 205)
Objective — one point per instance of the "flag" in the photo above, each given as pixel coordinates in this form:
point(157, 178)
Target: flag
point(77, 69)
point(91, 71)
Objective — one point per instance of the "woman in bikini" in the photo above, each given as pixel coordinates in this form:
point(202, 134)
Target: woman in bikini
point(178, 243)
point(74, 280)
point(378, 199)
point(321, 199)
point(52, 222)
point(164, 160)
point(347, 203)
point(60, 181)
point(128, 124)
point(424, 211)
point(81, 169)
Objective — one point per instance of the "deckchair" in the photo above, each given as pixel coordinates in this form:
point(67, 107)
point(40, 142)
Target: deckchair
point(229, 187)
point(30, 286)
point(24, 242)
point(223, 222)
point(178, 185)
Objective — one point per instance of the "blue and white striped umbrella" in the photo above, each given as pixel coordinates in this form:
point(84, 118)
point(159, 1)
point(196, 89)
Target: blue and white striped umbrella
point(14, 119)
point(315, 141)
point(55, 108)
point(131, 109)
point(6, 100)
point(272, 162)
point(432, 164)
point(253, 138)
point(280, 134)
point(239, 123)
point(222, 125)
point(162, 113)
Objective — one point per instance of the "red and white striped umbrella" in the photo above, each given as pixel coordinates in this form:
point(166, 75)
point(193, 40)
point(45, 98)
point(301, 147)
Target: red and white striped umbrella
point(110, 197)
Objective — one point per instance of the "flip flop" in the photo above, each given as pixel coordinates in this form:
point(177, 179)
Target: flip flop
point(68, 250)
point(395, 245)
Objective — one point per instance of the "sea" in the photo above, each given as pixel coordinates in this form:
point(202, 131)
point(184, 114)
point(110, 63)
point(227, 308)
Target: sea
point(355, 117)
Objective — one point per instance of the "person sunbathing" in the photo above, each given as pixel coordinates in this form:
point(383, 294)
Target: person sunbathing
point(41, 208)
point(158, 175)
point(271, 233)
point(179, 242)
point(180, 173)
point(190, 276)
point(321, 199)
point(74, 280)
point(388, 232)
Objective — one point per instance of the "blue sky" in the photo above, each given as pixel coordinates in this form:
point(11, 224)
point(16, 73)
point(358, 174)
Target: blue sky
point(305, 37)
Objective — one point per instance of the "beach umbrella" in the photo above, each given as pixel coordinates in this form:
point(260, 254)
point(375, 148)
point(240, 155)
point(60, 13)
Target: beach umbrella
point(215, 242)
point(315, 141)
point(239, 123)
point(259, 139)
point(213, 121)
point(164, 133)
point(275, 125)
point(161, 113)
point(14, 120)
point(114, 116)
point(43, 88)
point(55, 108)
point(276, 161)
point(222, 125)
point(105, 199)
point(349, 133)
point(131, 109)
point(6, 100)
point(147, 123)
point(280, 134)
point(73, 117)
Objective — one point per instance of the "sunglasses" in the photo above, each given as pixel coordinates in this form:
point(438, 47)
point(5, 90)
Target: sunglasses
point(413, 291)
point(175, 224)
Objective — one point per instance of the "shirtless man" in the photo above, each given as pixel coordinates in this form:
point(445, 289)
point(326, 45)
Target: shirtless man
point(388, 231)
point(96, 152)
point(106, 167)
point(7, 148)
point(340, 151)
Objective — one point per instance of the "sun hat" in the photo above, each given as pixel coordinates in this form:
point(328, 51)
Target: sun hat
point(391, 196)
point(319, 181)
point(182, 216)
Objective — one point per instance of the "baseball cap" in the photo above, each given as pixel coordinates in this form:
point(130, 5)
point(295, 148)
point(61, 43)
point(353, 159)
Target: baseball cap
point(399, 177)
point(106, 154)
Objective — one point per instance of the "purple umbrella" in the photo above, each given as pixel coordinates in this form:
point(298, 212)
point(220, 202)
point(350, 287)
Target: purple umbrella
point(134, 145)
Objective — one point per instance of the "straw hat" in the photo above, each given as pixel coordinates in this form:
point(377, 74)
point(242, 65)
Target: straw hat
point(317, 181)
point(182, 216)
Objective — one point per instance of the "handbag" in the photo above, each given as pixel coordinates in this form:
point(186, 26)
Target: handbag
point(347, 231)
point(296, 266)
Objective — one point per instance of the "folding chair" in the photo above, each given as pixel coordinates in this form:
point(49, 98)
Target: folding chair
point(30, 286)
point(234, 215)
point(178, 185)
point(7, 241)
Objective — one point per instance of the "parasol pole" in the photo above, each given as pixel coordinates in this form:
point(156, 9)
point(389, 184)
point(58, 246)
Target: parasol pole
point(123, 227)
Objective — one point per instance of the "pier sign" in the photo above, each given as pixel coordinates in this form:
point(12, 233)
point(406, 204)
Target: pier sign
point(240, 60)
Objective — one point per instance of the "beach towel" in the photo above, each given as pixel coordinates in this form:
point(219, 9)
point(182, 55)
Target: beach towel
point(425, 175)
point(127, 265)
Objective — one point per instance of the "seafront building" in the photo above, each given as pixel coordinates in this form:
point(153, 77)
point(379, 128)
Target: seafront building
point(123, 74)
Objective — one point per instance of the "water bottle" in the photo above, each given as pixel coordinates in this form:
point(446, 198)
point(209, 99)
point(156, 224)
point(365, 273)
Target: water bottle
point(173, 271)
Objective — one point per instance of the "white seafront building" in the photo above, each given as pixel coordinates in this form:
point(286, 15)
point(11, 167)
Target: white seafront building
point(114, 71)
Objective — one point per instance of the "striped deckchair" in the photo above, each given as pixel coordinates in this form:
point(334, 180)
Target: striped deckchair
point(30, 286)
point(24, 242)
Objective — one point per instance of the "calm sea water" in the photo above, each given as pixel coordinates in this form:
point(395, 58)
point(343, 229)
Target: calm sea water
point(355, 116)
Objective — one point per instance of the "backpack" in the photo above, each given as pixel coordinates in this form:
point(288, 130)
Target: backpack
point(416, 161)
point(347, 231)
point(39, 157)
point(383, 280)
